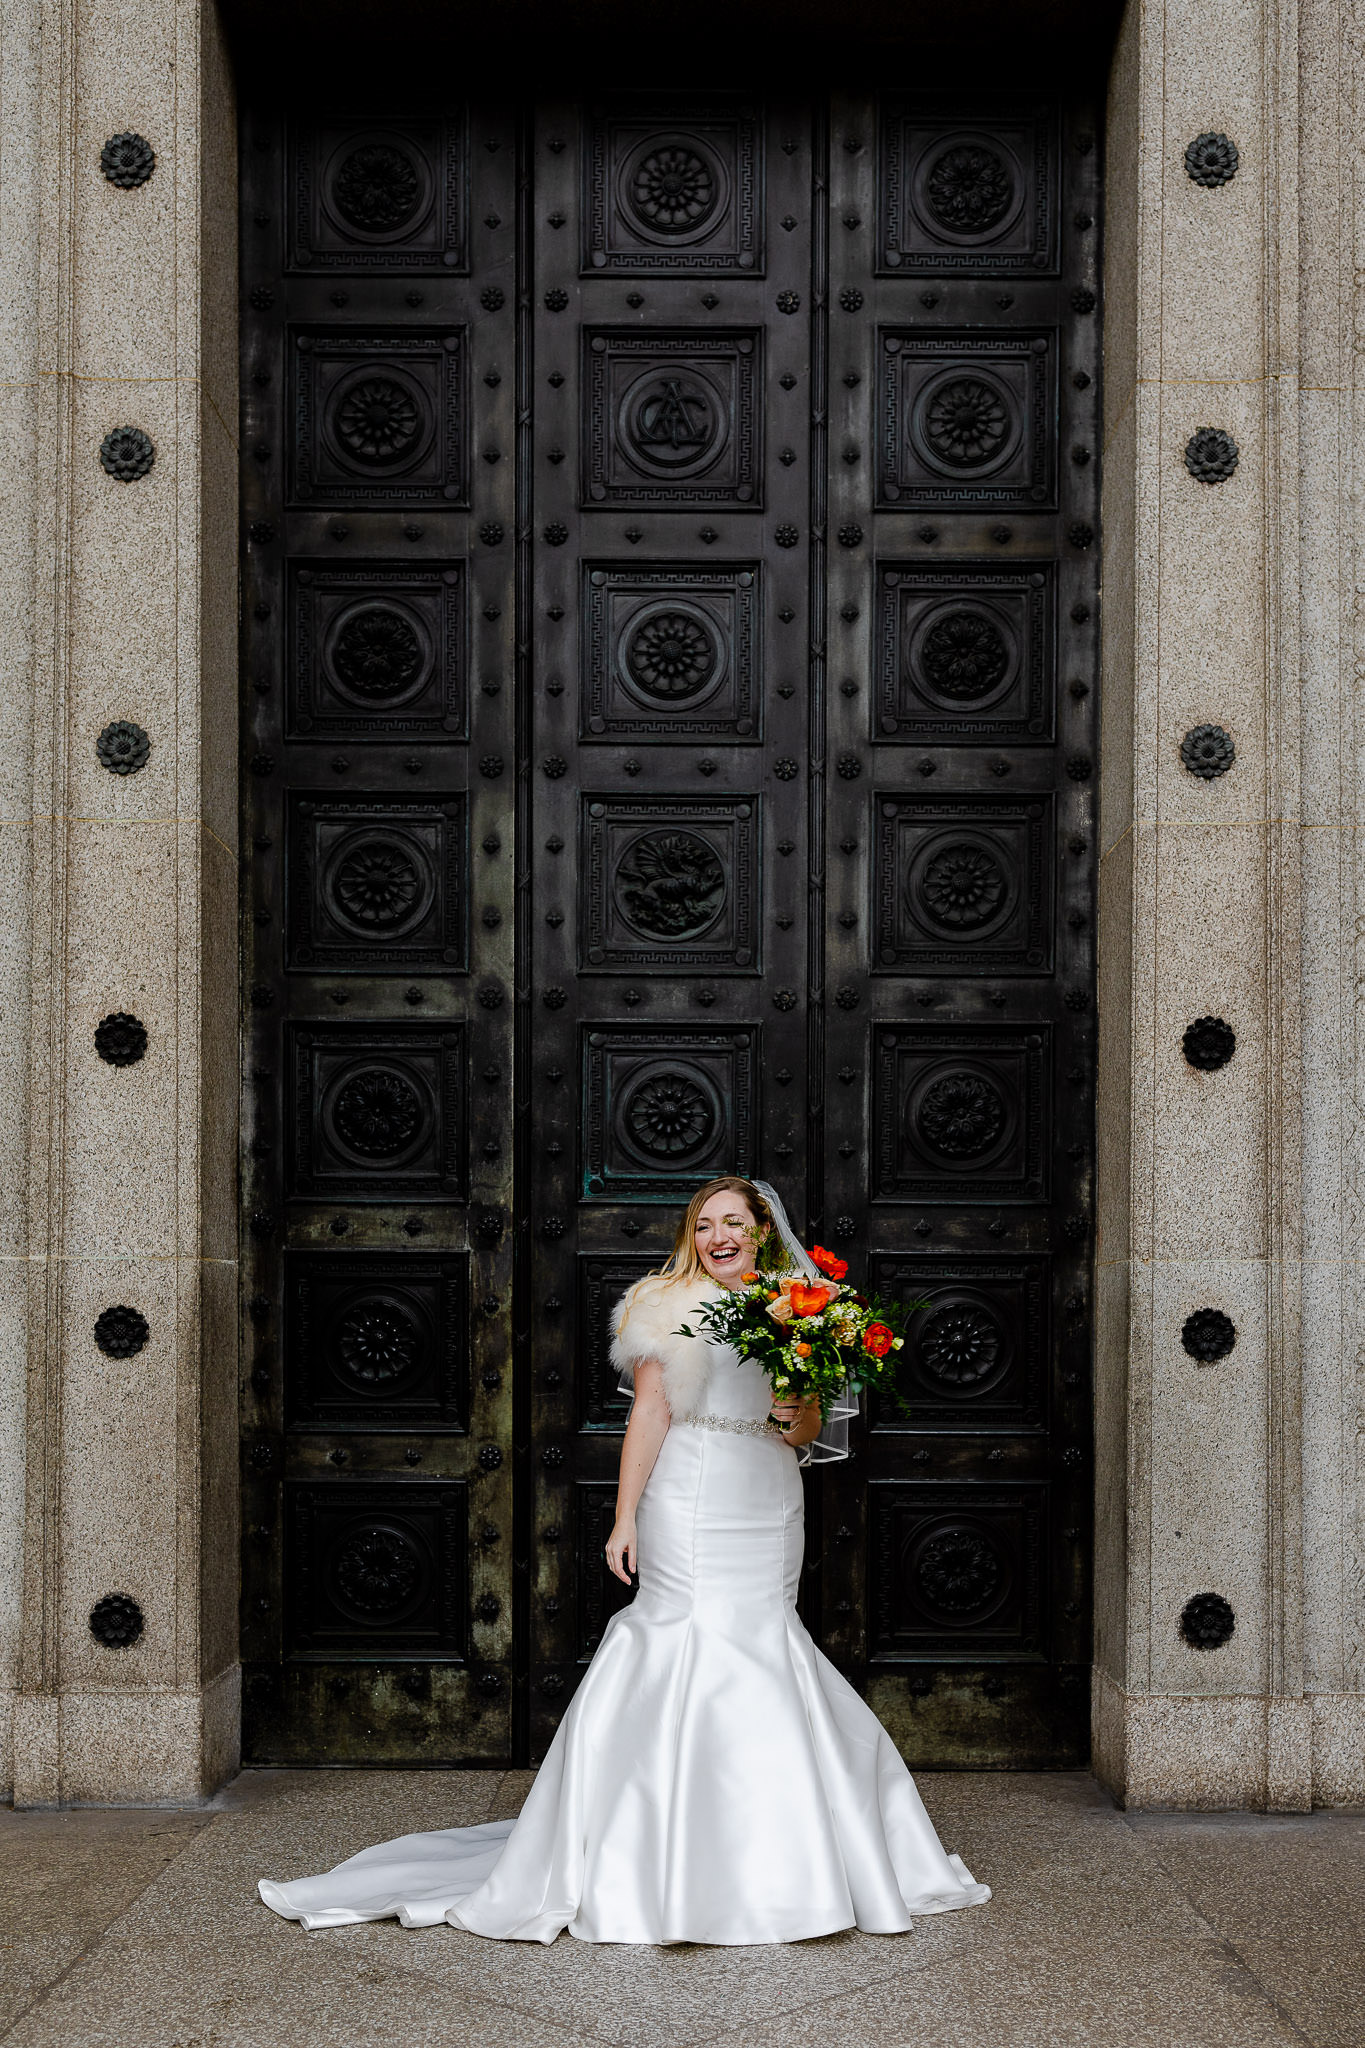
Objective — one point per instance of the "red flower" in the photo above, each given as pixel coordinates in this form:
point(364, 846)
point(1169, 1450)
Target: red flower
point(808, 1301)
point(878, 1339)
point(828, 1264)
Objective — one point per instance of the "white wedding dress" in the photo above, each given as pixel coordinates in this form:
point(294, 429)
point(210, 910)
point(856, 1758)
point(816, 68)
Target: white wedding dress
point(714, 1779)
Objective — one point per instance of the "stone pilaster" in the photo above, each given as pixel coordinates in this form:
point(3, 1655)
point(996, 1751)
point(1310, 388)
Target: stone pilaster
point(129, 1187)
point(1220, 897)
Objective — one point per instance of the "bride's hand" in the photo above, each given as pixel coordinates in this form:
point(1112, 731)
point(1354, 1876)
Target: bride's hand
point(787, 1413)
point(621, 1548)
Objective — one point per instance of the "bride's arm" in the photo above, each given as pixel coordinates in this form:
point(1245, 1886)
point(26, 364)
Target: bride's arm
point(645, 1432)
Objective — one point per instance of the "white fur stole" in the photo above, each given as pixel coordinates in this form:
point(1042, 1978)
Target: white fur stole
point(652, 1320)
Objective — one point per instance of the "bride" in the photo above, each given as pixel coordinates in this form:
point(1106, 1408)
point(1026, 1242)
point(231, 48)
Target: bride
point(714, 1779)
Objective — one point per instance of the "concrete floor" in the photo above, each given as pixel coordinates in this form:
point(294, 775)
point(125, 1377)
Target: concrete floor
point(141, 1929)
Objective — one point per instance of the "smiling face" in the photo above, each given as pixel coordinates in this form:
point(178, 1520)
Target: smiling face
point(723, 1235)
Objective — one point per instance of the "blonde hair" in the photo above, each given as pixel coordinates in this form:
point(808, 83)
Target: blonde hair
point(683, 1263)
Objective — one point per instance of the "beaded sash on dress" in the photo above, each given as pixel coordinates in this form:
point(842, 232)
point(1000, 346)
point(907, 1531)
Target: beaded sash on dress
point(734, 1425)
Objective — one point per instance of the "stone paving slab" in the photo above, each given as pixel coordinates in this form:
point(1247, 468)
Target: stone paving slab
point(142, 1930)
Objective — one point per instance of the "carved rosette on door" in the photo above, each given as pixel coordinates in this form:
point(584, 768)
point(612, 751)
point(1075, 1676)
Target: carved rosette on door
point(668, 647)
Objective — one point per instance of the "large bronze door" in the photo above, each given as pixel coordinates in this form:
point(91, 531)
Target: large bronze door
point(666, 523)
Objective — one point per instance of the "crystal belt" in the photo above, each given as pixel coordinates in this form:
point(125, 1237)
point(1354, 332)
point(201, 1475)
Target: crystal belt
point(733, 1425)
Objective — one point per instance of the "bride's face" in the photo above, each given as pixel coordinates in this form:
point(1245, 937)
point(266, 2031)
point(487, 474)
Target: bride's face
point(724, 1238)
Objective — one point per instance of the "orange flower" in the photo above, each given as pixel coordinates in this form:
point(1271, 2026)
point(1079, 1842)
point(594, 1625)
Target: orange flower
point(833, 1268)
point(748, 1278)
point(878, 1339)
point(802, 1350)
point(808, 1301)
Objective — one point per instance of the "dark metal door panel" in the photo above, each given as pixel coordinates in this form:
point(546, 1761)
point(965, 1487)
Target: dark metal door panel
point(669, 848)
point(378, 602)
point(964, 354)
point(668, 642)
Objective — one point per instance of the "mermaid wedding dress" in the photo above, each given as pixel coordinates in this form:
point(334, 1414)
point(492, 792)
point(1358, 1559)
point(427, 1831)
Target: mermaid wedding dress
point(714, 1779)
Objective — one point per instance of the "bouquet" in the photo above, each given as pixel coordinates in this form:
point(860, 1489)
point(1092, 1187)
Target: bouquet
point(815, 1339)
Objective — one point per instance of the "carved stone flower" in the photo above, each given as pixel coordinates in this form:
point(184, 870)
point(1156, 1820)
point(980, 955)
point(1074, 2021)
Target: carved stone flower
point(121, 1332)
point(1207, 751)
point(123, 747)
point(1211, 455)
point(1211, 160)
point(126, 453)
point(116, 1621)
point(1207, 1622)
point(121, 1039)
point(127, 160)
point(1208, 1335)
point(1209, 1043)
